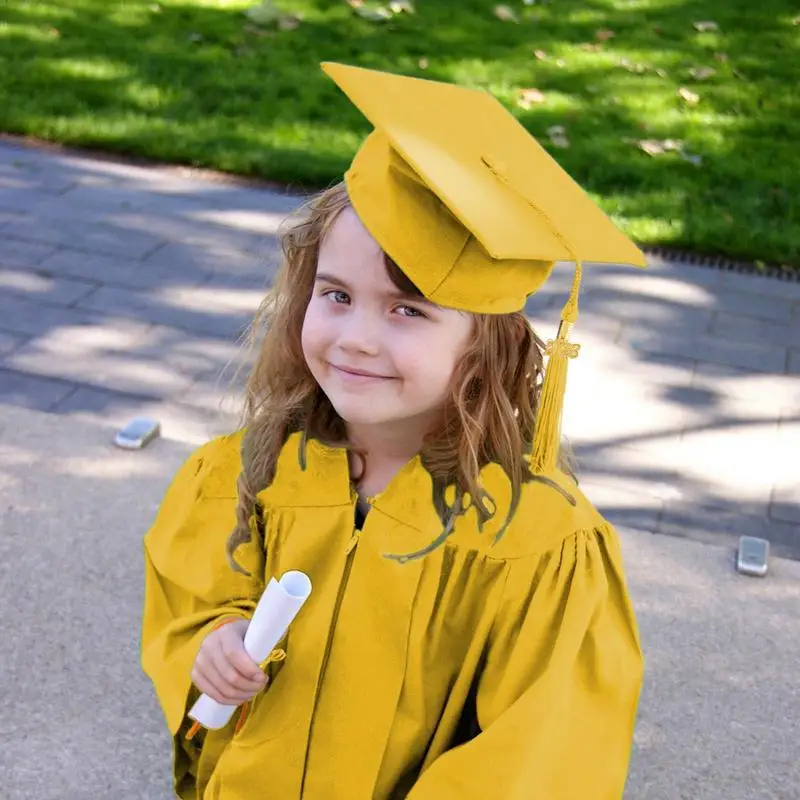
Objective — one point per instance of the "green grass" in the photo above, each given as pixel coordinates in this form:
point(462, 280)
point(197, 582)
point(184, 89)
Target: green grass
point(194, 82)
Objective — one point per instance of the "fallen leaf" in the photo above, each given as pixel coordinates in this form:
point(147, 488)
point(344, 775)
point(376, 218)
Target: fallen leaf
point(155, 8)
point(662, 73)
point(796, 20)
point(639, 69)
point(558, 136)
point(254, 30)
point(374, 13)
point(722, 57)
point(401, 6)
point(196, 38)
point(355, 3)
point(505, 14)
point(540, 55)
point(689, 96)
point(701, 73)
point(529, 97)
point(706, 26)
point(592, 48)
point(657, 147)
point(54, 33)
point(560, 62)
point(604, 35)
point(651, 147)
point(658, 30)
point(264, 14)
point(423, 63)
point(289, 22)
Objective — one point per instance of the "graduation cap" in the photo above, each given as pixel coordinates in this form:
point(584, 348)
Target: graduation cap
point(474, 210)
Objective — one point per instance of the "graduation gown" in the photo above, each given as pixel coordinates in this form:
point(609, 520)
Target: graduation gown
point(510, 671)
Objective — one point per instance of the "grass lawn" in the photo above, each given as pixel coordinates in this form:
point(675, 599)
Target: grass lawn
point(194, 81)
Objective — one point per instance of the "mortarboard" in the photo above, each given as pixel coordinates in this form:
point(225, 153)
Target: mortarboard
point(473, 209)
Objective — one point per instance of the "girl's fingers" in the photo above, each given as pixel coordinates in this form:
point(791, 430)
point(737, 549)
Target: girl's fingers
point(235, 680)
point(211, 682)
point(245, 666)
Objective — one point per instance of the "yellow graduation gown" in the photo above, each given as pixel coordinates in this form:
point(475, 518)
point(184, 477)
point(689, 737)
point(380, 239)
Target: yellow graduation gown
point(510, 672)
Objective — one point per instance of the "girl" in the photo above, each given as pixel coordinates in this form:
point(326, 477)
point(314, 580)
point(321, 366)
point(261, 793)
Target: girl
point(469, 633)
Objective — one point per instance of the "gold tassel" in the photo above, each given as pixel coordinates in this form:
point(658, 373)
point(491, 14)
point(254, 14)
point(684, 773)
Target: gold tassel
point(547, 437)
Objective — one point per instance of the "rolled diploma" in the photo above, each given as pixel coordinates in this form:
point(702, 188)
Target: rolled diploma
point(274, 613)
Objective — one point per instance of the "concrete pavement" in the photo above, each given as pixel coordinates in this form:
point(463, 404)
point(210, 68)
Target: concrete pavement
point(719, 713)
point(122, 291)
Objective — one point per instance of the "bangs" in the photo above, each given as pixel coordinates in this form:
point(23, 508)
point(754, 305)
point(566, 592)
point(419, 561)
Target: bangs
point(400, 279)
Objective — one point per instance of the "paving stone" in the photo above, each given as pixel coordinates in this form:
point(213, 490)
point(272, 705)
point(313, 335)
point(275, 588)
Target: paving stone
point(128, 183)
point(690, 274)
point(179, 422)
point(785, 505)
point(735, 458)
point(42, 288)
point(218, 392)
point(743, 392)
point(219, 260)
point(117, 271)
point(706, 347)
point(775, 309)
point(608, 402)
point(623, 506)
point(736, 327)
point(210, 312)
point(725, 526)
point(22, 316)
point(7, 217)
point(99, 368)
point(758, 284)
point(9, 342)
point(20, 204)
point(47, 180)
point(16, 253)
point(89, 236)
point(646, 470)
point(32, 391)
point(189, 352)
point(166, 218)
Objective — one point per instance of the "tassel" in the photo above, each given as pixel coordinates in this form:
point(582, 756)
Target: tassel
point(547, 437)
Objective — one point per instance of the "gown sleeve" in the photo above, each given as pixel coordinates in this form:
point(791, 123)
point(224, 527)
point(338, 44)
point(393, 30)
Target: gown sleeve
point(558, 694)
point(189, 584)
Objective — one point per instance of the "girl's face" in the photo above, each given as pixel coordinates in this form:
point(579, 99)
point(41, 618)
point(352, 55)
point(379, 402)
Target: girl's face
point(382, 357)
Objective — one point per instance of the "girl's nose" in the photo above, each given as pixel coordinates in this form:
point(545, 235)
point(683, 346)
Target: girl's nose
point(360, 333)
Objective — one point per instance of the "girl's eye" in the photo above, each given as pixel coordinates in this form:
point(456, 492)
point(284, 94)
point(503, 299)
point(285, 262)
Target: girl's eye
point(337, 296)
point(410, 311)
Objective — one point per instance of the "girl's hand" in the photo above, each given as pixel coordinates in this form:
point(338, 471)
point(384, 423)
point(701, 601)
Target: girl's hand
point(223, 670)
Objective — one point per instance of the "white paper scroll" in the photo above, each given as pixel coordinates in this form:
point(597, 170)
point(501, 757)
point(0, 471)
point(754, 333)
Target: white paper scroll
point(274, 613)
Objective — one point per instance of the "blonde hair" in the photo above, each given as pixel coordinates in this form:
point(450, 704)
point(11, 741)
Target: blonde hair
point(488, 416)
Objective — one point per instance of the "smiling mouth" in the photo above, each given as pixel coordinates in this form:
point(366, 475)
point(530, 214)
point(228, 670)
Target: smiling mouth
point(356, 373)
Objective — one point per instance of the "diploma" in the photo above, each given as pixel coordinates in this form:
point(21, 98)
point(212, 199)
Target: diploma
point(274, 613)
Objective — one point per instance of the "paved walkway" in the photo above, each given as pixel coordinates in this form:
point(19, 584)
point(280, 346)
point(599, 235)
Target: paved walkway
point(123, 289)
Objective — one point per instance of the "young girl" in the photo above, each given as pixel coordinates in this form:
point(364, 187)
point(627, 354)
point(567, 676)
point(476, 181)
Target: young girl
point(469, 633)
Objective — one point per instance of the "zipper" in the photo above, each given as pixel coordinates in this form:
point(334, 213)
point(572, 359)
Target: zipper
point(350, 551)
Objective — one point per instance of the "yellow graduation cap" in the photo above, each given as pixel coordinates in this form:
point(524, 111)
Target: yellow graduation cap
point(473, 209)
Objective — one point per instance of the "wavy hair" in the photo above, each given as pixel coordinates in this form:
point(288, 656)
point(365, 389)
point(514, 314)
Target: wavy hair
point(488, 417)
